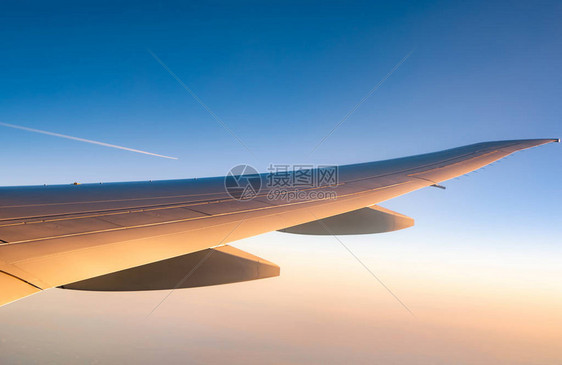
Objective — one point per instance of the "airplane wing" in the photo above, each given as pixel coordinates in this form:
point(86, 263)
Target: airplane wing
point(146, 235)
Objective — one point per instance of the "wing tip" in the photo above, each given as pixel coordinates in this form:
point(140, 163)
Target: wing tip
point(548, 140)
point(528, 143)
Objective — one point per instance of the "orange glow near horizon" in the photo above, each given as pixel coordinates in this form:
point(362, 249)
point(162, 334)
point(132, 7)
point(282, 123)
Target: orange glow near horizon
point(324, 308)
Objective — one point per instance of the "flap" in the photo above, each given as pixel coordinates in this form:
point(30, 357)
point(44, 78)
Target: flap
point(13, 288)
point(368, 220)
point(213, 266)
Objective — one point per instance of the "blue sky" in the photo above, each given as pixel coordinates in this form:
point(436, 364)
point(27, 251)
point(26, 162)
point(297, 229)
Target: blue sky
point(281, 75)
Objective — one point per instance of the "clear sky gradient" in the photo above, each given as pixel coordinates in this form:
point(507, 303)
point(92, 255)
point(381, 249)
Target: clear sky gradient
point(480, 269)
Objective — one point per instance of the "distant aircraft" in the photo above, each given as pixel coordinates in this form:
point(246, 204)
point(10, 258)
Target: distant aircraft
point(174, 234)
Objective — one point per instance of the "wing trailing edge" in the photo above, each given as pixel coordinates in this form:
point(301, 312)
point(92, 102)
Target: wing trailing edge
point(13, 288)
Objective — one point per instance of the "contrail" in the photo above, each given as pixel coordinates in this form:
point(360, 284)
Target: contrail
point(84, 140)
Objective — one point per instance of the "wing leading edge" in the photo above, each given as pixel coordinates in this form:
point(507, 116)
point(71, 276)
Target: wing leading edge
point(56, 235)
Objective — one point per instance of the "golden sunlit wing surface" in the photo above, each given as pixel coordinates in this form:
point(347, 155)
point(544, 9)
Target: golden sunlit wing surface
point(54, 236)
